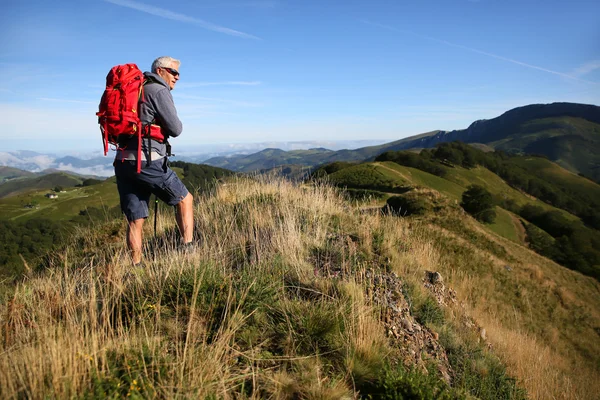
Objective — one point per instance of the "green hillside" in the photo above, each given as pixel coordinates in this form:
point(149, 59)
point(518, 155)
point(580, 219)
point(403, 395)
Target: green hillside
point(8, 173)
point(393, 178)
point(49, 181)
point(270, 158)
point(560, 234)
point(293, 172)
point(566, 133)
point(294, 292)
point(567, 180)
point(103, 195)
point(31, 224)
point(68, 204)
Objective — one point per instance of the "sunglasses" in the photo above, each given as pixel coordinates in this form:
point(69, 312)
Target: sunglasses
point(172, 71)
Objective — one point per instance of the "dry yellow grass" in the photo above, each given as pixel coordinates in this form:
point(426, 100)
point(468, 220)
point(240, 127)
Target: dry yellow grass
point(185, 326)
point(541, 318)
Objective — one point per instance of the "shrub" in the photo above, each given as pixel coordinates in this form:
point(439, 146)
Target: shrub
point(429, 312)
point(477, 371)
point(405, 206)
point(90, 182)
point(410, 159)
point(478, 202)
point(398, 383)
point(331, 168)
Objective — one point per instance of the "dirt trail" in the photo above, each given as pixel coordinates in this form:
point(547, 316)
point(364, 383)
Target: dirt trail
point(521, 234)
point(393, 170)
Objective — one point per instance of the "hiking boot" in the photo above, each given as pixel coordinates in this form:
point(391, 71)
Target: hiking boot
point(187, 248)
point(135, 273)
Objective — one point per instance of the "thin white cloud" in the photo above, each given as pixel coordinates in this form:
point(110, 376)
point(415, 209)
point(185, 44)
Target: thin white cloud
point(185, 85)
point(510, 60)
point(251, 4)
point(586, 68)
point(161, 12)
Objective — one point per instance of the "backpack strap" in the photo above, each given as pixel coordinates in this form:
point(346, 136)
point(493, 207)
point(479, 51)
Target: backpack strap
point(146, 128)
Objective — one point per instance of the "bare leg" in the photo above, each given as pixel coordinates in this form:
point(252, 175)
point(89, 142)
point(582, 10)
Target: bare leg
point(185, 218)
point(134, 239)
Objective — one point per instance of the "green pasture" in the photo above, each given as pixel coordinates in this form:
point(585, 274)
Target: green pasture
point(504, 225)
point(549, 171)
point(67, 205)
point(389, 177)
point(416, 177)
point(498, 187)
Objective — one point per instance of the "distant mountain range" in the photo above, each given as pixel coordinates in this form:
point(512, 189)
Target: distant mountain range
point(566, 133)
point(95, 164)
point(43, 163)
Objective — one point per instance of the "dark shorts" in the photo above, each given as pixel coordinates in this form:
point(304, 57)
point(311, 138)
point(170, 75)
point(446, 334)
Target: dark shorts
point(135, 189)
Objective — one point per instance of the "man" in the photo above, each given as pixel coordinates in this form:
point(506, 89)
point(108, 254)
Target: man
point(156, 109)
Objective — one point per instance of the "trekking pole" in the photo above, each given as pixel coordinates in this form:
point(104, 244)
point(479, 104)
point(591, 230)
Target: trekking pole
point(155, 214)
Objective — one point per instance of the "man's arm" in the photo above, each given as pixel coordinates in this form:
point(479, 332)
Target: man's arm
point(166, 113)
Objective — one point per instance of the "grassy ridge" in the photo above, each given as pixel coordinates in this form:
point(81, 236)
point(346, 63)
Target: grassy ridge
point(420, 178)
point(287, 295)
point(389, 176)
point(275, 301)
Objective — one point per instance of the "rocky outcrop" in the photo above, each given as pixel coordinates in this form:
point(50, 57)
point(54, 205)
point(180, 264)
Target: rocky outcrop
point(417, 344)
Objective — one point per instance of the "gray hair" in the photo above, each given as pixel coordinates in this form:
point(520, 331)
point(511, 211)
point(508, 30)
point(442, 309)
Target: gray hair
point(164, 62)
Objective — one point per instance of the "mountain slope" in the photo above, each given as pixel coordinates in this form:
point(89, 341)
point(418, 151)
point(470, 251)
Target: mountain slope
point(8, 173)
point(269, 158)
point(68, 204)
point(566, 133)
point(48, 181)
point(566, 233)
point(294, 293)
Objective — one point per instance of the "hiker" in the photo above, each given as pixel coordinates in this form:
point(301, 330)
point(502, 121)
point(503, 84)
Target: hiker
point(156, 112)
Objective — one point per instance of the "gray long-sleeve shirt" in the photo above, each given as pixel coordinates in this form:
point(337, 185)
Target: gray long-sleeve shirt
point(159, 109)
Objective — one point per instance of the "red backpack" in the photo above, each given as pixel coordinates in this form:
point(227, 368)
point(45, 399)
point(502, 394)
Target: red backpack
point(118, 110)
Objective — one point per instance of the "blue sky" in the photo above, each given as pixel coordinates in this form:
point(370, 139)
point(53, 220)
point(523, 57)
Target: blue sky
point(276, 70)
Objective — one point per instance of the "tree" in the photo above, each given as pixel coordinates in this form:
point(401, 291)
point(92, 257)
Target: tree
point(405, 206)
point(58, 189)
point(478, 202)
point(90, 182)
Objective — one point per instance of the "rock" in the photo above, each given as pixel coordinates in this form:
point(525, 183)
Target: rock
point(407, 325)
point(482, 333)
point(434, 277)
